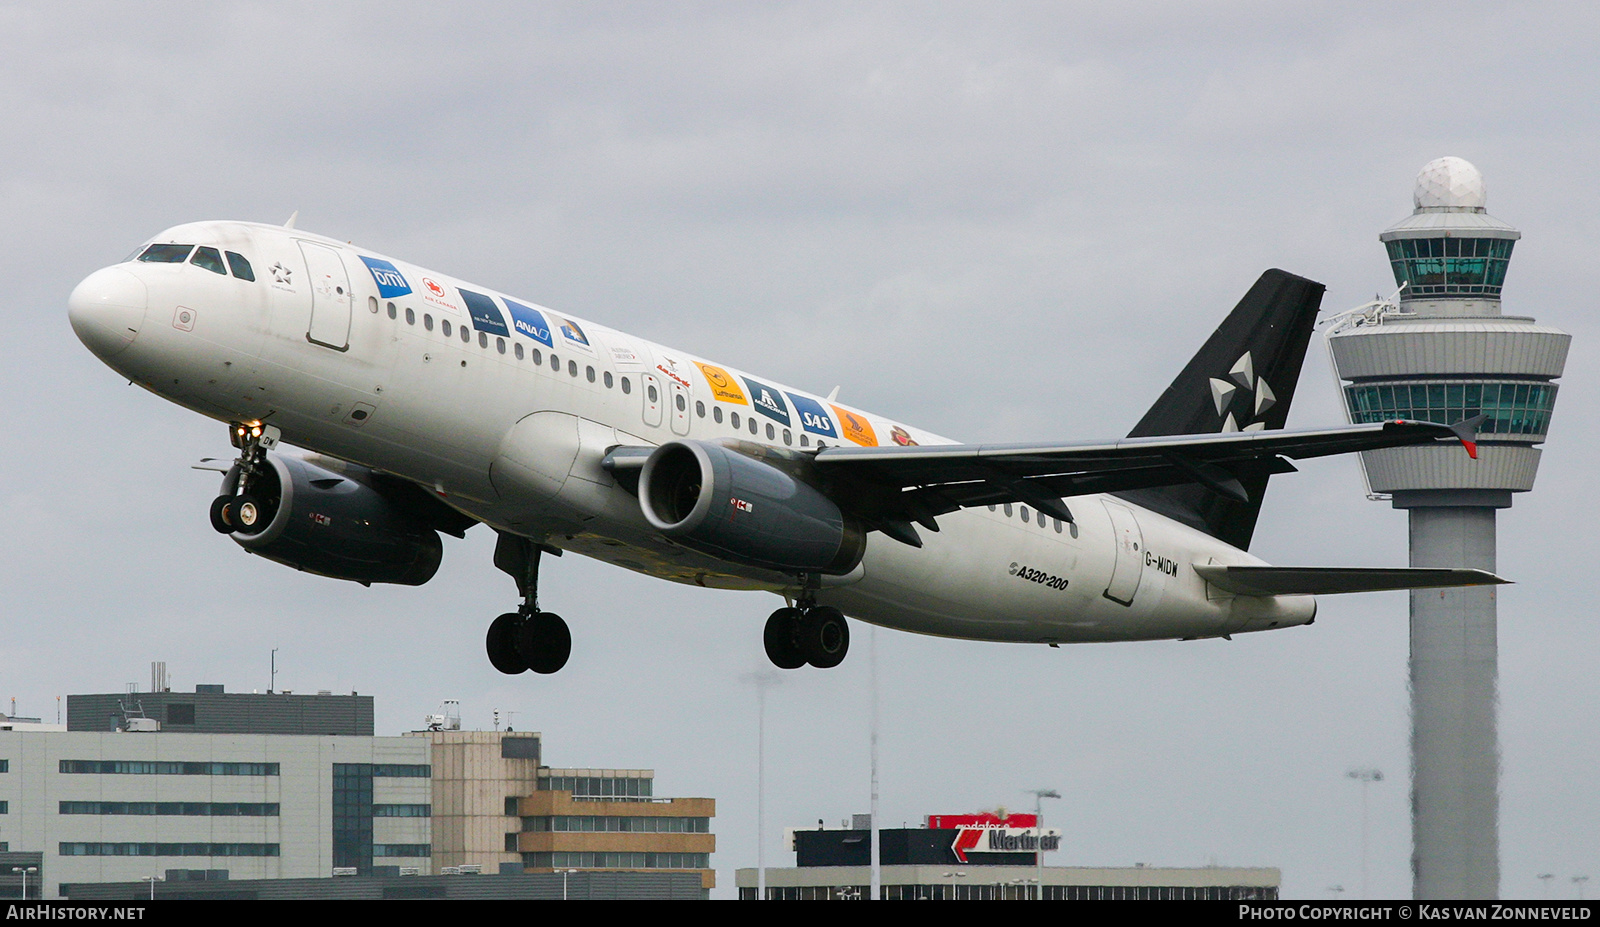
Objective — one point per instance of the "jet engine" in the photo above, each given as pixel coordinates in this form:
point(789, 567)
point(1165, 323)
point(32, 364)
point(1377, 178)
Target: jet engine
point(341, 520)
point(718, 501)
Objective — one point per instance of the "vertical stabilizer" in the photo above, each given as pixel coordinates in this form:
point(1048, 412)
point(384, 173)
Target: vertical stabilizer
point(1242, 379)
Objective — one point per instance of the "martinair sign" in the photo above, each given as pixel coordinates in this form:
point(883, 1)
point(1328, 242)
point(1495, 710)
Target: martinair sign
point(988, 833)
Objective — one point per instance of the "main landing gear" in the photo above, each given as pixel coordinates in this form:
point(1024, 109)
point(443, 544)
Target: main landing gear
point(526, 639)
point(811, 633)
point(238, 509)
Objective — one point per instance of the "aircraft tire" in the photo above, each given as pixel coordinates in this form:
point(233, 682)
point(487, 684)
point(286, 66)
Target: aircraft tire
point(544, 642)
point(222, 514)
point(824, 636)
point(502, 645)
point(781, 639)
point(248, 515)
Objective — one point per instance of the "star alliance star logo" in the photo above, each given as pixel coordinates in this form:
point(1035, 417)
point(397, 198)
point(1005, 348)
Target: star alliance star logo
point(280, 274)
point(1242, 384)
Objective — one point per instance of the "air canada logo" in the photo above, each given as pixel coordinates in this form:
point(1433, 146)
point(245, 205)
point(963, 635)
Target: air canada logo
point(433, 286)
point(1243, 393)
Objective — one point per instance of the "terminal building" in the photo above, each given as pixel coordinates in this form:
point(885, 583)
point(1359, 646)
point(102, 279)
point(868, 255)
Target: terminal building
point(980, 857)
point(210, 786)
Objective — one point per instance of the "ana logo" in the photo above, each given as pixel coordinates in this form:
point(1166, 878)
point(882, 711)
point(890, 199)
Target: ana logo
point(529, 321)
point(1257, 396)
point(767, 401)
point(433, 287)
point(391, 283)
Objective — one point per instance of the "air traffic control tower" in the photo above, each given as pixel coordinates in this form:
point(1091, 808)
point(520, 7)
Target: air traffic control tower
point(1443, 353)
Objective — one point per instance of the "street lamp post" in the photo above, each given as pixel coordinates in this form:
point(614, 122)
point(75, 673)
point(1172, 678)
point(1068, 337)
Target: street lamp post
point(1365, 776)
point(1039, 795)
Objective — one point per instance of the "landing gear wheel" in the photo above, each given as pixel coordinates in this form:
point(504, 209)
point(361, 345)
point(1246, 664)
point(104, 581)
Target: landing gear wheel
point(248, 515)
point(502, 644)
point(781, 638)
point(544, 642)
point(824, 636)
point(222, 509)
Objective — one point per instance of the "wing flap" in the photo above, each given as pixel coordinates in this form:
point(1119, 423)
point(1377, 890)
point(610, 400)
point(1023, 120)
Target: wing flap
point(1271, 580)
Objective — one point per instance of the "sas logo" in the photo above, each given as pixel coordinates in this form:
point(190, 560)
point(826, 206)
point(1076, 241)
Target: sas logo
point(813, 417)
point(391, 282)
point(856, 428)
point(741, 506)
point(530, 322)
point(767, 401)
point(723, 387)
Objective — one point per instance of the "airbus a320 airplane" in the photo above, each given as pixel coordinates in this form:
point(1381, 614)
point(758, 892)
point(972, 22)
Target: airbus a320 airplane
point(430, 405)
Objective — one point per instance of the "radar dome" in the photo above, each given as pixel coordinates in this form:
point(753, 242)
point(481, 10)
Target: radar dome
point(1450, 183)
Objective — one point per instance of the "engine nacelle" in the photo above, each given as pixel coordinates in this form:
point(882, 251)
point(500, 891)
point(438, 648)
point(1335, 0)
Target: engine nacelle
point(336, 523)
point(723, 503)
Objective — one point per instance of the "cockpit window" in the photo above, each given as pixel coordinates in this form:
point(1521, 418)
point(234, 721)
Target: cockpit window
point(241, 269)
point(209, 258)
point(166, 254)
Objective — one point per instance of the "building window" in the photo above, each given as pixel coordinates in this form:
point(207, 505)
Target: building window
point(352, 816)
point(173, 808)
point(402, 811)
point(402, 850)
point(154, 768)
point(582, 860)
point(597, 787)
point(168, 849)
point(1512, 408)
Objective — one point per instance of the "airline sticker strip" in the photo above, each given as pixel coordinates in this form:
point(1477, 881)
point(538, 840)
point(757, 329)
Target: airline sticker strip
point(530, 322)
point(767, 401)
point(812, 416)
point(723, 387)
point(391, 283)
point(485, 314)
point(856, 427)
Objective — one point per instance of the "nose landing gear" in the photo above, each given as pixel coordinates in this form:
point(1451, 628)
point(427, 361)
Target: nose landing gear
point(526, 639)
point(237, 510)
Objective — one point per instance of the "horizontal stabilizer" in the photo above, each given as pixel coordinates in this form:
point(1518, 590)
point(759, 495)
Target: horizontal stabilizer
point(1270, 580)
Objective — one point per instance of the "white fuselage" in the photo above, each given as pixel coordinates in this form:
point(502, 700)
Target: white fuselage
point(511, 429)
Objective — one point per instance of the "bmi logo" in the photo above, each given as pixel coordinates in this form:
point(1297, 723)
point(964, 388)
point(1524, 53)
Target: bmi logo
point(1245, 392)
point(391, 283)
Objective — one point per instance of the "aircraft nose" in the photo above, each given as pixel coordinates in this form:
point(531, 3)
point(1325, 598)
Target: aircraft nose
point(107, 310)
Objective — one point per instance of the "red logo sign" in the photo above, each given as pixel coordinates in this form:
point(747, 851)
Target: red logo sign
point(433, 287)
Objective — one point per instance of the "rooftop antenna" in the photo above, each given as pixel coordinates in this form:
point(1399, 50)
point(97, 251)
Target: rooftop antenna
point(272, 680)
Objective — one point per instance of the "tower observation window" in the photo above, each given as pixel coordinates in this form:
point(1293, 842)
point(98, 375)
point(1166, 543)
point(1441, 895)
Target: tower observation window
point(1451, 267)
point(1521, 409)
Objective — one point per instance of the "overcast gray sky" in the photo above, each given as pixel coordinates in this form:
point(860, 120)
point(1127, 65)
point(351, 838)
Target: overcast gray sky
point(1000, 221)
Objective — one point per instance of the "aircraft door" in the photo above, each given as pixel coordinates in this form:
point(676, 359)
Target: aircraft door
point(330, 297)
point(680, 408)
point(650, 386)
point(1129, 544)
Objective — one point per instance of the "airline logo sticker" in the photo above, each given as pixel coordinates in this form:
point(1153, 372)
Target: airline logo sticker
point(574, 334)
point(767, 401)
point(723, 387)
point(623, 354)
point(529, 322)
point(485, 314)
point(855, 427)
point(901, 437)
point(434, 292)
point(669, 366)
point(812, 416)
point(391, 282)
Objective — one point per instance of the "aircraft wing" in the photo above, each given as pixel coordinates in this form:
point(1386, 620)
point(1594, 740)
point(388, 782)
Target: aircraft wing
point(892, 486)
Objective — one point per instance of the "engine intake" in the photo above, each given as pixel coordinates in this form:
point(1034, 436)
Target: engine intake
point(345, 524)
point(718, 501)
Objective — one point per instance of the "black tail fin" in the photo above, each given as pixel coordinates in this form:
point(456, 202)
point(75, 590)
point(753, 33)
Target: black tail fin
point(1242, 379)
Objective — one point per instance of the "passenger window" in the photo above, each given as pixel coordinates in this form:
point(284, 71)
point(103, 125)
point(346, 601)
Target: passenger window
point(753, 425)
point(166, 254)
point(372, 303)
point(772, 434)
point(391, 310)
point(820, 443)
point(518, 346)
point(483, 340)
point(626, 386)
point(466, 336)
point(1057, 522)
point(572, 368)
point(411, 316)
point(209, 258)
point(609, 380)
point(805, 441)
point(589, 372)
point(650, 390)
point(241, 267)
point(788, 438)
point(1008, 509)
point(555, 363)
point(716, 414)
point(680, 403)
point(538, 356)
point(427, 321)
point(444, 326)
point(500, 345)
point(700, 409)
point(991, 508)
point(735, 421)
